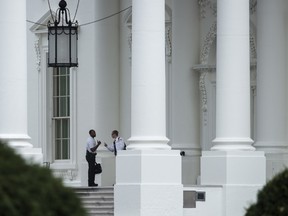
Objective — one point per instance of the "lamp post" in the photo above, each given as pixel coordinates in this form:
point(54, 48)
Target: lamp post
point(62, 39)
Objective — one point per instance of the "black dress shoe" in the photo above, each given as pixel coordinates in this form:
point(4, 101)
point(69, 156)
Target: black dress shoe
point(93, 185)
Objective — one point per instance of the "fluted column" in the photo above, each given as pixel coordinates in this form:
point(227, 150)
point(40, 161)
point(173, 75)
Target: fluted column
point(13, 74)
point(271, 128)
point(233, 76)
point(148, 114)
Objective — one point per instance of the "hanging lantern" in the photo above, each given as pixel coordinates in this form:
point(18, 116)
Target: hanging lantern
point(62, 39)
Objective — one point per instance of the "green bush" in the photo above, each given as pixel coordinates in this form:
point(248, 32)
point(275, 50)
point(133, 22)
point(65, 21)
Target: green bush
point(272, 200)
point(32, 190)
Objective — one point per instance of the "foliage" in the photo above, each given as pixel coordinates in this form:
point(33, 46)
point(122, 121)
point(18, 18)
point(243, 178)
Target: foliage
point(272, 200)
point(32, 190)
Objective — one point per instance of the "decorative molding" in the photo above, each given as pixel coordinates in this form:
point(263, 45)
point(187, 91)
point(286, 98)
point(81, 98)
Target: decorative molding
point(204, 70)
point(253, 6)
point(253, 49)
point(203, 91)
point(168, 42)
point(204, 4)
point(253, 46)
point(253, 74)
point(209, 39)
point(38, 53)
point(130, 44)
point(209, 4)
point(213, 7)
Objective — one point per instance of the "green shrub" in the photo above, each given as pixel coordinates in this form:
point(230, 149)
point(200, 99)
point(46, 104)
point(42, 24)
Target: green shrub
point(32, 190)
point(272, 200)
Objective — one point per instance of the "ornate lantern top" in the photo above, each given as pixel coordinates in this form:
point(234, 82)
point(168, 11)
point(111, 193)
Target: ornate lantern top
point(62, 39)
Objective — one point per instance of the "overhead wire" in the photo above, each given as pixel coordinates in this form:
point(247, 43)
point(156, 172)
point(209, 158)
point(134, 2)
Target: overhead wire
point(106, 17)
point(40, 24)
point(85, 24)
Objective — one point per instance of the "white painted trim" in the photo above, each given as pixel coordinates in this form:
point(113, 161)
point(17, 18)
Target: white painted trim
point(73, 114)
point(45, 113)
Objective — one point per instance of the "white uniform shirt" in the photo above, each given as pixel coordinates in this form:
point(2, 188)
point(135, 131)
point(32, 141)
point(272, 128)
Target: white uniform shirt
point(90, 144)
point(119, 143)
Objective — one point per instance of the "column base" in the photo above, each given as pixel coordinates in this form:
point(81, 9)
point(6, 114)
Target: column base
point(16, 140)
point(20, 143)
point(146, 142)
point(148, 183)
point(241, 173)
point(232, 144)
point(34, 155)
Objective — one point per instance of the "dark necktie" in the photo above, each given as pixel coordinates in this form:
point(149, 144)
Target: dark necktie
point(115, 150)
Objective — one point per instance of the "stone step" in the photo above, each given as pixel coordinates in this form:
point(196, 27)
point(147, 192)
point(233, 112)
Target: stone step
point(94, 189)
point(98, 201)
point(101, 213)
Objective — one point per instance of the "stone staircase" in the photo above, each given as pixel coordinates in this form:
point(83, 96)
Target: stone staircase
point(98, 201)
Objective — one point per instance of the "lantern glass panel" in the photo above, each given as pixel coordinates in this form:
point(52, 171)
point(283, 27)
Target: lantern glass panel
point(74, 51)
point(63, 46)
point(51, 44)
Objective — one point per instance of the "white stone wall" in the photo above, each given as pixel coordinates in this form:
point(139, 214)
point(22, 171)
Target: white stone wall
point(102, 81)
point(102, 86)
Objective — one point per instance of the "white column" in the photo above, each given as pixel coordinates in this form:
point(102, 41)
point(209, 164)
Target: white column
point(271, 130)
point(13, 75)
point(148, 113)
point(145, 184)
point(234, 165)
point(233, 76)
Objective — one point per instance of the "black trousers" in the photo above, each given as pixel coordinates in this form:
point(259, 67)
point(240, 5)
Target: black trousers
point(90, 158)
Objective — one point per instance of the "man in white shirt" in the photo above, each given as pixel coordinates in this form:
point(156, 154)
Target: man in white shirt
point(91, 148)
point(118, 143)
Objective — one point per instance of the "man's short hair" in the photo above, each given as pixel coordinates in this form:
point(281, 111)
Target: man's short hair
point(115, 132)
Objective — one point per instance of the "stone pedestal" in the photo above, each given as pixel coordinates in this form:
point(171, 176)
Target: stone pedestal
point(241, 173)
point(148, 183)
point(31, 154)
